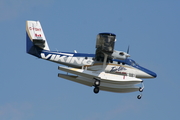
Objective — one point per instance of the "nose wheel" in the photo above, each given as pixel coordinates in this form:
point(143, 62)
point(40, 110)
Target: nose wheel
point(139, 96)
point(96, 85)
point(96, 90)
point(141, 89)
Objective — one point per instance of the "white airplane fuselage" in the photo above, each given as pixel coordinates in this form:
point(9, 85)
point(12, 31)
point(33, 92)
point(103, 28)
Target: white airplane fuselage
point(120, 75)
point(78, 60)
point(109, 74)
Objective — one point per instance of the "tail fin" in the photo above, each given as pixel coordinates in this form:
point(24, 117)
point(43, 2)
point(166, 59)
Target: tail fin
point(35, 38)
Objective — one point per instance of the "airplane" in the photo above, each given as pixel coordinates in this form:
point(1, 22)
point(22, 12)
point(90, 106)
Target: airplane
point(107, 69)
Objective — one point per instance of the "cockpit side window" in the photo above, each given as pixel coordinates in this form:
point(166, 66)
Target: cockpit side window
point(133, 63)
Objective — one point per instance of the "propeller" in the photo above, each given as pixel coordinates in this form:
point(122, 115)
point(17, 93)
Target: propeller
point(128, 50)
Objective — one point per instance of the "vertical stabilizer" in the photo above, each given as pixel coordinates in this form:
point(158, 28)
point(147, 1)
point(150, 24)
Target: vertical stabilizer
point(35, 37)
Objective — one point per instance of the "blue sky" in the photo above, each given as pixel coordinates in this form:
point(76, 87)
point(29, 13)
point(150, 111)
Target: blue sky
point(30, 88)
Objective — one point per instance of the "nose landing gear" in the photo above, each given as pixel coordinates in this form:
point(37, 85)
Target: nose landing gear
point(97, 82)
point(96, 90)
point(96, 85)
point(140, 90)
point(139, 96)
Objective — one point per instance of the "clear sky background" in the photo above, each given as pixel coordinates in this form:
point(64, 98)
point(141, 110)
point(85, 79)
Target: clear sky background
point(30, 88)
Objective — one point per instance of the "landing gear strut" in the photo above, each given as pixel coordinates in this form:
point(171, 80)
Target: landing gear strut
point(96, 85)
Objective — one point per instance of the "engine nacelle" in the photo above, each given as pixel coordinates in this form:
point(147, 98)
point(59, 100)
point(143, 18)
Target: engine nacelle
point(120, 55)
point(105, 45)
point(105, 42)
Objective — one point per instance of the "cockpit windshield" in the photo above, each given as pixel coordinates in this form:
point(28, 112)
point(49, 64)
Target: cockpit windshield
point(133, 63)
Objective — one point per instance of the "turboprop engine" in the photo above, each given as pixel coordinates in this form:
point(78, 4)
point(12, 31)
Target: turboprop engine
point(105, 45)
point(105, 42)
point(120, 55)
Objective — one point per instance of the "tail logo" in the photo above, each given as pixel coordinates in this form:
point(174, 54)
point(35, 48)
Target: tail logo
point(66, 59)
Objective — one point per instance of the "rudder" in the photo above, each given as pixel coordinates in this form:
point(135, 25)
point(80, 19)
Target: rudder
point(35, 38)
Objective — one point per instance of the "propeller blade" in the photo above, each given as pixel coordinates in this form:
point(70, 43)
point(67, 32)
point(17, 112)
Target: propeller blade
point(128, 50)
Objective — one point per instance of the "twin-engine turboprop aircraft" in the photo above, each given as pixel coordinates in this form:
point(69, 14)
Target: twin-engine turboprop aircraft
point(107, 69)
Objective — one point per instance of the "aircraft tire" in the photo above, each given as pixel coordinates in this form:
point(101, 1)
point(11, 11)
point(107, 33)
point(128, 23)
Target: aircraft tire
point(96, 90)
point(96, 82)
point(139, 97)
point(140, 89)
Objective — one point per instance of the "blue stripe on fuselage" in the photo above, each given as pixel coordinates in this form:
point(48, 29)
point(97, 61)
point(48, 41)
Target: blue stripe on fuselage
point(132, 63)
point(127, 61)
point(135, 65)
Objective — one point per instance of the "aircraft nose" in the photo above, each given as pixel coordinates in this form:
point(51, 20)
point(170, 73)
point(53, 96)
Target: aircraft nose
point(153, 74)
point(148, 73)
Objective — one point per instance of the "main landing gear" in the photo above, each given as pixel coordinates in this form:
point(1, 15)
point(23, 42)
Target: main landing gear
point(96, 85)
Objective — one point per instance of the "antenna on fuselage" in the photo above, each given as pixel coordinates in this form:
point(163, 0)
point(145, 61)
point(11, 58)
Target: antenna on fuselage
point(75, 51)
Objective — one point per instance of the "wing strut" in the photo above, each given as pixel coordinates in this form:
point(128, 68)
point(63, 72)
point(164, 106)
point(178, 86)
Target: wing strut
point(105, 60)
